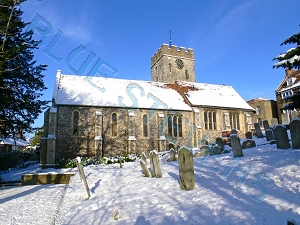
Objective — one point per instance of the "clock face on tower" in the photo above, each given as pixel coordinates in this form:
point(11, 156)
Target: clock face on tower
point(179, 63)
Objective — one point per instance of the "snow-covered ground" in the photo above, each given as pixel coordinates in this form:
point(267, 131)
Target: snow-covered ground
point(263, 187)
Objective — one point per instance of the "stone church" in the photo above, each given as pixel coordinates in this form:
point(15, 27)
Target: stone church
point(98, 116)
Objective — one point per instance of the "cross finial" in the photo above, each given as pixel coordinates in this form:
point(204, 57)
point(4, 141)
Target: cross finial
point(170, 43)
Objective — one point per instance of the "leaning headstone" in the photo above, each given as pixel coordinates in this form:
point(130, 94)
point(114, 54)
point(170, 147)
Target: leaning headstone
point(145, 169)
point(258, 132)
point(204, 142)
point(249, 135)
point(295, 132)
point(172, 155)
point(269, 135)
point(249, 143)
point(285, 118)
point(154, 164)
point(236, 146)
point(144, 158)
point(294, 115)
point(204, 150)
point(281, 137)
point(274, 122)
point(266, 124)
point(186, 169)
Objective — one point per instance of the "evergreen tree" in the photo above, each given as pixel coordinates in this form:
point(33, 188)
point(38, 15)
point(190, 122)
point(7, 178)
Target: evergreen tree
point(21, 81)
point(37, 137)
point(290, 60)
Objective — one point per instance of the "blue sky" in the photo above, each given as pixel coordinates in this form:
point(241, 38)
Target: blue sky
point(234, 41)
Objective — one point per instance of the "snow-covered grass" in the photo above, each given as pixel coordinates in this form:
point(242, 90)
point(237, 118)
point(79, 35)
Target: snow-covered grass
point(263, 187)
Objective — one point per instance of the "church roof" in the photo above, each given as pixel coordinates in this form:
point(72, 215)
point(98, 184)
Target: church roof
point(109, 92)
point(212, 95)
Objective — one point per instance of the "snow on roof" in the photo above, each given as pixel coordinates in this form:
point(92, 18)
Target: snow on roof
point(108, 92)
point(13, 141)
point(211, 95)
point(290, 87)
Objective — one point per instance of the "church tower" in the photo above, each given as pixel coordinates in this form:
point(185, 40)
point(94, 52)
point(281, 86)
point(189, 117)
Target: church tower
point(170, 64)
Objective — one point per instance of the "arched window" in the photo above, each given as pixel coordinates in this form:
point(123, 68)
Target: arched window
point(175, 126)
point(205, 121)
point(170, 125)
point(75, 123)
point(180, 126)
point(170, 67)
point(145, 125)
point(187, 75)
point(114, 124)
point(214, 120)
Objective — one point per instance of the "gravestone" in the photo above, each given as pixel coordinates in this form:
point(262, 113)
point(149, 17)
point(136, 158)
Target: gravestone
point(285, 118)
point(295, 132)
point(204, 142)
point(281, 137)
point(294, 115)
point(144, 158)
point(236, 146)
point(172, 155)
point(204, 150)
point(258, 132)
point(154, 164)
point(145, 169)
point(197, 154)
point(177, 148)
point(219, 142)
point(266, 124)
point(249, 135)
point(248, 144)
point(186, 169)
point(269, 135)
point(233, 131)
point(217, 149)
point(274, 122)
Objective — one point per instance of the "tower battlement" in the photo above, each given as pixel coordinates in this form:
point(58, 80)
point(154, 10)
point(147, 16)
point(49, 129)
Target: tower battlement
point(174, 51)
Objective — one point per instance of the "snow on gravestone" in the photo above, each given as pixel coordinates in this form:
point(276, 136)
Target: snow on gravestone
point(144, 158)
point(295, 132)
point(145, 169)
point(186, 169)
point(154, 164)
point(281, 137)
point(236, 146)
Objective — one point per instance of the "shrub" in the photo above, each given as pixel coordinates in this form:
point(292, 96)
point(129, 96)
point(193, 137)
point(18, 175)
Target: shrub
point(10, 160)
point(86, 161)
